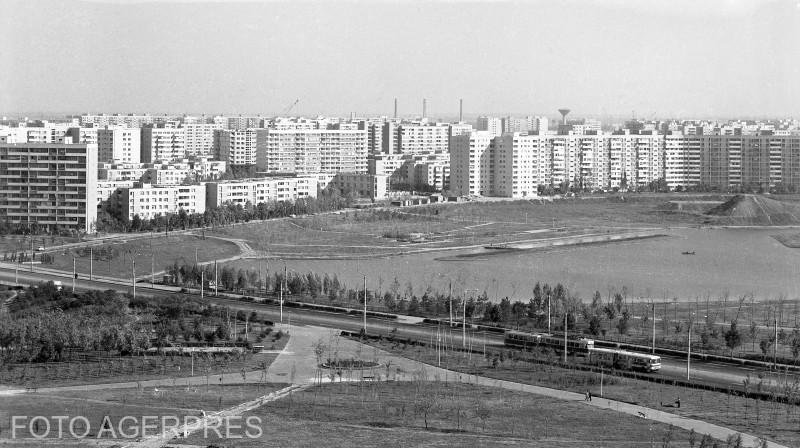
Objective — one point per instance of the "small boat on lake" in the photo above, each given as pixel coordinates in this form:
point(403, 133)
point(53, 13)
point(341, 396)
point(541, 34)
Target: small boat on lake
point(688, 252)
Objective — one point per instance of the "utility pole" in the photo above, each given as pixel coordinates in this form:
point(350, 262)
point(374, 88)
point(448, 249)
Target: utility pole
point(216, 279)
point(283, 280)
point(548, 312)
point(566, 313)
point(16, 273)
point(153, 269)
point(653, 350)
point(451, 304)
point(31, 253)
point(464, 325)
point(775, 347)
point(74, 275)
point(133, 276)
point(365, 305)
point(202, 280)
point(91, 263)
point(689, 350)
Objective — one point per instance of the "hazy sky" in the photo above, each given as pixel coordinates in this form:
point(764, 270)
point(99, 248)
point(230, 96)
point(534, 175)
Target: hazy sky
point(687, 58)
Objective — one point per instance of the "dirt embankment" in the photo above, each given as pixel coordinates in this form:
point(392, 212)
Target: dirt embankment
point(754, 210)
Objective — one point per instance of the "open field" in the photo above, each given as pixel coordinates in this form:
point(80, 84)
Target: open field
point(399, 230)
point(95, 405)
point(776, 421)
point(113, 259)
point(389, 414)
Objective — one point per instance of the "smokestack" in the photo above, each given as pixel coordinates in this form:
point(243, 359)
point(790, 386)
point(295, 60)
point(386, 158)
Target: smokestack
point(395, 108)
point(424, 108)
point(461, 110)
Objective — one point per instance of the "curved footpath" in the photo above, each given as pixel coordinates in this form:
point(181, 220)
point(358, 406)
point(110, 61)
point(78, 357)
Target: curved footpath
point(296, 365)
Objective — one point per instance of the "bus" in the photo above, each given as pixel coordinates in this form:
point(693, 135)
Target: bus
point(608, 357)
point(527, 341)
point(624, 359)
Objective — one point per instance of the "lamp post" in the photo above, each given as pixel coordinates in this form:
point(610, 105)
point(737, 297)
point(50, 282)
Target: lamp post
point(464, 323)
point(689, 348)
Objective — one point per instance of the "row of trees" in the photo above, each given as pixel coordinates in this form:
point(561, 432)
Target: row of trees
point(113, 216)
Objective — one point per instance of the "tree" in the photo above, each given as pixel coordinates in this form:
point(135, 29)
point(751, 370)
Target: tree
point(733, 337)
point(424, 405)
point(595, 325)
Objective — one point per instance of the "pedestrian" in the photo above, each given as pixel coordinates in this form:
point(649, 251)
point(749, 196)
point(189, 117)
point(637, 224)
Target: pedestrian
point(586, 396)
point(589, 393)
point(678, 403)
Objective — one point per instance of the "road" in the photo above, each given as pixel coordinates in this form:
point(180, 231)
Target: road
point(672, 367)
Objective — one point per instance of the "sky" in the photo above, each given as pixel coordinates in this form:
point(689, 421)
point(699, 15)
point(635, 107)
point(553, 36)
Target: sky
point(648, 59)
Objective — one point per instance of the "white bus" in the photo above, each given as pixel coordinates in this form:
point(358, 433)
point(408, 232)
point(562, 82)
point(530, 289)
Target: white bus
point(623, 359)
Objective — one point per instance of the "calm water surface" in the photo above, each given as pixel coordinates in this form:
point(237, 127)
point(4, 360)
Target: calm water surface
point(741, 261)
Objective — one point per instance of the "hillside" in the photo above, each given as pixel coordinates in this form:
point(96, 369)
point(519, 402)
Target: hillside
point(754, 210)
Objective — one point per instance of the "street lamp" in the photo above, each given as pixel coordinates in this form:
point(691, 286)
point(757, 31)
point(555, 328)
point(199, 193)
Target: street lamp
point(464, 326)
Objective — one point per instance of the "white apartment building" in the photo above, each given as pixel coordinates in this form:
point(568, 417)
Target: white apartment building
point(83, 135)
point(167, 174)
point(122, 171)
point(202, 139)
point(256, 191)
point(372, 186)
point(119, 145)
point(204, 168)
point(681, 160)
point(108, 188)
point(49, 185)
point(419, 139)
point(238, 146)
point(470, 167)
point(303, 151)
point(149, 201)
point(128, 121)
point(163, 144)
point(492, 125)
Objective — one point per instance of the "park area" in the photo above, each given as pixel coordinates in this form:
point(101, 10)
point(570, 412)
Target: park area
point(771, 419)
point(394, 414)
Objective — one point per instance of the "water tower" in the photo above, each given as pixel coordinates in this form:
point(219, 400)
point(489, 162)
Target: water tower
point(563, 113)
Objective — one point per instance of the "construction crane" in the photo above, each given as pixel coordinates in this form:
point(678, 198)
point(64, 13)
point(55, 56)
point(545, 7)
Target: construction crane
point(289, 109)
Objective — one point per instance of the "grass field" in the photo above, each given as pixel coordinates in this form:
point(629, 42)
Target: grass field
point(776, 421)
point(179, 401)
point(160, 250)
point(401, 230)
point(389, 414)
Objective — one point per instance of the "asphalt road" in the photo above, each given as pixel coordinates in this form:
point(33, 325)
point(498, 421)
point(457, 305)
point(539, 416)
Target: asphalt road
point(707, 371)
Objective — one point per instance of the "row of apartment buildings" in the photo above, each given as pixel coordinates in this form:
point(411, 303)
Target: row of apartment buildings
point(516, 164)
point(149, 201)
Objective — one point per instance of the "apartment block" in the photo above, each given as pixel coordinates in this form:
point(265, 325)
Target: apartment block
point(122, 171)
point(305, 151)
point(167, 174)
point(492, 125)
point(256, 191)
point(371, 186)
point(49, 185)
point(471, 170)
point(202, 139)
point(238, 146)
point(149, 201)
point(119, 145)
point(162, 144)
point(106, 189)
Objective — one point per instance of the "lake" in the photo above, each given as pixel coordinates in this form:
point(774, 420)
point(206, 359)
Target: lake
point(741, 261)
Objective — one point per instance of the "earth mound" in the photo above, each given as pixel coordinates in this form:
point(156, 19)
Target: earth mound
point(754, 210)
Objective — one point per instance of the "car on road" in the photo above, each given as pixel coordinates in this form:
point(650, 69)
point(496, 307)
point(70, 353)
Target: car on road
point(40, 249)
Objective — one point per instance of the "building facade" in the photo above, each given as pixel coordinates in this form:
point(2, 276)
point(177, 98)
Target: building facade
point(50, 186)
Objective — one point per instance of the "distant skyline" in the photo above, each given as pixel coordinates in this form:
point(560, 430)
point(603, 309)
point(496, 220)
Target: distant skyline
point(613, 58)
